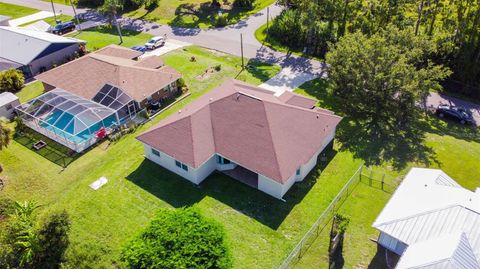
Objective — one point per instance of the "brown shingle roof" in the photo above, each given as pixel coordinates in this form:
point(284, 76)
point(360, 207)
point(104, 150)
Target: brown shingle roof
point(150, 62)
point(246, 125)
point(87, 75)
point(297, 100)
point(118, 51)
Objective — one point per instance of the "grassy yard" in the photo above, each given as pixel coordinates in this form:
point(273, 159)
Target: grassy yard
point(192, 13)
point(15, 11)
point(30, 91)
point(456, 151)
point(102, 36)
point(104, 220)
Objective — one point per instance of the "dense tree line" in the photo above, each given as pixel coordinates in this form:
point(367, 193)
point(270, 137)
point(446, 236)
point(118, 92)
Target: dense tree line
point(453, 26)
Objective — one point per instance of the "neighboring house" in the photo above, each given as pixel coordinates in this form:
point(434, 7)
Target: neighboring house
point(97, 91)
point(8, 101)
point(246, 132)
point(33, 51)
point(432, 222)
point(115, 68)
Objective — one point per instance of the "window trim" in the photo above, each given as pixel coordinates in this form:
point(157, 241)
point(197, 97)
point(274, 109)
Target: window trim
point(155, 152)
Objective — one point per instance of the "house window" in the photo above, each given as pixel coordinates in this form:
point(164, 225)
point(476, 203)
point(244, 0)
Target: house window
point(184, 167)
point(156, 152)
point(8, 107)
point(178, 164)
point(298, 172)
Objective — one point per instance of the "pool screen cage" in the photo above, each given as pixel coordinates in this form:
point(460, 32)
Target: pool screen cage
point(66, 118)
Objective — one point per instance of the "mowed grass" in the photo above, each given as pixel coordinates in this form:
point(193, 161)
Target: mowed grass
point(192, 13)
point(15, 11)
point(102, 36)
point(30, 91)
point(456, 151)
point(261, 230)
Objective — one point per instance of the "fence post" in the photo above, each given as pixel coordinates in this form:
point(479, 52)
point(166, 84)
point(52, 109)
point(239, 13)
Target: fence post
point(383, 179)
point(360, 175)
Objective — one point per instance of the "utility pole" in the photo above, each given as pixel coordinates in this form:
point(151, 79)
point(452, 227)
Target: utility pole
point(241, 49)
point(76, 17)
point(268, 17)
point(54, 13)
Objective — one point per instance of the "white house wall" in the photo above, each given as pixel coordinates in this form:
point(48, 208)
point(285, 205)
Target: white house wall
point(8, 113)
point(270, 186)
point(391, 243)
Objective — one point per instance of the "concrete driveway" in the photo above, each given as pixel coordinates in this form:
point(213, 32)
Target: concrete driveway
point(34, 17)
point(170, 45)
point(435, 99)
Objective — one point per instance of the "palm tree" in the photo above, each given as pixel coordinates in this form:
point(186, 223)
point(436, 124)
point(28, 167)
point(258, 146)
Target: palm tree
point(110, 7)
point(25, 237)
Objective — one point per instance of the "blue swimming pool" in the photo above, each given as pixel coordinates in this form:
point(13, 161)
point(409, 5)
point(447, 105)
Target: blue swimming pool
point(67, 125)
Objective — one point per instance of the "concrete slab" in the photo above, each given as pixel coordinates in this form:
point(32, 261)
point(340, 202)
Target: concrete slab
point(34, 17)
point(287, 80)
point(170, 45)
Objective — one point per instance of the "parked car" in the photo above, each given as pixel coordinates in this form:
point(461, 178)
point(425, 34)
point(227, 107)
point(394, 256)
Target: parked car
point(155, 42)
point(455, 113)
point(139, 48)
point(63, 28)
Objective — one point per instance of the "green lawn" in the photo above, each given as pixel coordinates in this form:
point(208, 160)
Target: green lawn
point(261, 36)
point(456, 150)
point(15, 11)
point(104, 220)
point(102, 36)
point(192, 13)
point(30, 91)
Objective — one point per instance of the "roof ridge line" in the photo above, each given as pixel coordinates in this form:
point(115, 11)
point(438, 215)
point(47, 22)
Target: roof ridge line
point(273, 144)
point(422, 213)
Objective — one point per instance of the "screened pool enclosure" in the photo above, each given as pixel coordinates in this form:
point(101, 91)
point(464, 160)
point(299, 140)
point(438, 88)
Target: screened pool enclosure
point(66, 118)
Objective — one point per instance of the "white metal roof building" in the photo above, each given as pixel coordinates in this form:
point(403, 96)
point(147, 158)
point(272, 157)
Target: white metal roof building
point(22, 47)
point(432, 222)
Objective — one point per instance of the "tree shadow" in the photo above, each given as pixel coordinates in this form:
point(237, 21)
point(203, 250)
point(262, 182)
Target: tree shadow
point(398, 146)
point(179, 192)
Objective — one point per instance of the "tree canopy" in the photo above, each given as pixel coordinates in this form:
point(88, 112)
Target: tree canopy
point(453, 26)
point(378, 80)
point(180, 238)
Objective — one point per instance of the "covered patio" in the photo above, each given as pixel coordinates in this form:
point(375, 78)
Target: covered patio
point(243, 175)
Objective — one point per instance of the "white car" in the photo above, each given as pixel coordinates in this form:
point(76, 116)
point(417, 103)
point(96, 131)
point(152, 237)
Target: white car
point(155, 42)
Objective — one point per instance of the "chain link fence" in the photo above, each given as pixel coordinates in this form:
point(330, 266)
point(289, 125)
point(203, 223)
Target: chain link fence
point(363, 174)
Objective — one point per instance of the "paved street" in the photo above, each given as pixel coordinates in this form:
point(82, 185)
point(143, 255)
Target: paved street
point(295, 69)
point(46, 6)
point(435, 99)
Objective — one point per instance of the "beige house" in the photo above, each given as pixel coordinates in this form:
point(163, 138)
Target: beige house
point(246, 132)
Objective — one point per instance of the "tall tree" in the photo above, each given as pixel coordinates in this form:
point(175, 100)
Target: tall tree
point(381, 77)
point(111, 7)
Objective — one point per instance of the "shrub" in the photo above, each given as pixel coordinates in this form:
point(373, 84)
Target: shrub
point(244, 4)
point(217, 68)
point(7, 207)
point(11, 80)
point(180, 238)
point(53, 238)
point(221, 20)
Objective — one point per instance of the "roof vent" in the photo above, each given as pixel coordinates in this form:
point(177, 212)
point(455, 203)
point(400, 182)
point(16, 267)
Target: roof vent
point(180, 111)
point(211, 99)
point(318, 116)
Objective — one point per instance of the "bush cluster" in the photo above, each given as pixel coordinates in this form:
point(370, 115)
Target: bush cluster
point(180, 238)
